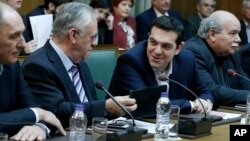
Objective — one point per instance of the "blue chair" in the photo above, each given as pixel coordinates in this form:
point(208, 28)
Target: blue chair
point(101, 64)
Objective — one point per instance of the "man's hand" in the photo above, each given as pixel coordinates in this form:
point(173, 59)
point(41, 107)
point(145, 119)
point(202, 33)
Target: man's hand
point(50, 118)
point(198, 107)
point(30, 133)
point(30, 46)
point(128, 103)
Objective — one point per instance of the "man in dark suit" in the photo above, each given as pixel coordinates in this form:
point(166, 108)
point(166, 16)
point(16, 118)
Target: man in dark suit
point(48, 70)
point(192, 23)
point(140, 67)
point(144, 20)
point(245, 27)
point(19, 111)
point(214, 48)
point(245, 58)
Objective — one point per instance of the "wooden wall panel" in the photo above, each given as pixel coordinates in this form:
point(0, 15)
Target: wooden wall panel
point(188, 7)
point(28, 5)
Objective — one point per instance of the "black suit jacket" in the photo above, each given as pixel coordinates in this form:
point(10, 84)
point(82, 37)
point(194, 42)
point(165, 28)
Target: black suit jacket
point(245, 58)
point(133, 72)
point(145, 19)
point(53, 88)
point(243, 33)
point(15, 100)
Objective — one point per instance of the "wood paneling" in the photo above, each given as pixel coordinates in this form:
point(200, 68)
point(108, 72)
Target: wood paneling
point(188, 7)
point(28, 5)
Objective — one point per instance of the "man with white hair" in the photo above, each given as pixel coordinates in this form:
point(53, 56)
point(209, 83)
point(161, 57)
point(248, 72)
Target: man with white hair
point(214, 48)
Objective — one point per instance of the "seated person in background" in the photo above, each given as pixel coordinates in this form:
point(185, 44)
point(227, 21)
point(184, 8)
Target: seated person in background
point(105, 21)
point(140, 67)
point(49, 7)
point(31, 44)
point(214, 48)
point(61, 61)
point(192, 23)
point(18, 109)
point(245, 22)
point(124, 30)
point(144, 20)
point(245, 58)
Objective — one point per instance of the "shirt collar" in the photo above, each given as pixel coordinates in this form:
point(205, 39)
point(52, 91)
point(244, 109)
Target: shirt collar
point(159, 14)
point(64, 58)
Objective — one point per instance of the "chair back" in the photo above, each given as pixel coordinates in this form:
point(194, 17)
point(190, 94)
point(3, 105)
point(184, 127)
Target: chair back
point(101, 64)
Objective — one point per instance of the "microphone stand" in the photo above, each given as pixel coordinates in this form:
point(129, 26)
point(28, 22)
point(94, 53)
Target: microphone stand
point(193, 126)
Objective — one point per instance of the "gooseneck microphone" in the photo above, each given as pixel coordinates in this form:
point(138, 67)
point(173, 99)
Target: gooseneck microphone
point(233, 73)
point(192, 126)
point(100, 86)
point(162, 77)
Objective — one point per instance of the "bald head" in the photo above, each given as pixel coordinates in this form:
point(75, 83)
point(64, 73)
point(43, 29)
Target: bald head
point(224, 16)
point(7, 12)
point(11, 29)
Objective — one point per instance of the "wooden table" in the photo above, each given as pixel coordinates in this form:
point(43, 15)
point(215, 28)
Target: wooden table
point(219, 133)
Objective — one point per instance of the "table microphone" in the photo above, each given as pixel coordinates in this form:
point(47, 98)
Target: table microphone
point(233, 73)
point(192, 126)
point(133, 134)
point(100, 86)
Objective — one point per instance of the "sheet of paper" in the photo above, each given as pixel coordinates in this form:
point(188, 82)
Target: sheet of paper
point(41, 28)
point(225, 115)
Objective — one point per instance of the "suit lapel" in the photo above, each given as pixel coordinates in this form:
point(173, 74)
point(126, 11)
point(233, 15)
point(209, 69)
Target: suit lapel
point(62, 74)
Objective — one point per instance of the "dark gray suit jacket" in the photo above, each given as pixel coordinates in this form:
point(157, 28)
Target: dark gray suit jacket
point(226, 90)
point(16, 100)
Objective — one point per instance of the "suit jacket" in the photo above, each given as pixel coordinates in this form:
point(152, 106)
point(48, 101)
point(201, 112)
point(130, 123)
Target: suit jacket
point(192, 24)
point(16, 100)
point(243, 33)
point(133, 72)
point(145, 19)
point(245, 58)
point(226, 90)
point(53, 88)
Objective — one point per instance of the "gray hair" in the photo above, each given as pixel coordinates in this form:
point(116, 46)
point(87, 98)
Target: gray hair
point(73, 14)
point(202, 1)
point(244, 3)
point(209, 23)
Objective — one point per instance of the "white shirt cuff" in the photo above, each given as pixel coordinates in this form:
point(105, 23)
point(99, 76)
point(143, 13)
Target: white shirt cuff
point(36, 114)
point(192, 106)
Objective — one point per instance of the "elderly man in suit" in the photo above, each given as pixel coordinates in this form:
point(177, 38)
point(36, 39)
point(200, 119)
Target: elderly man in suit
point(144, 20)
point(53, 70)
point(214, 47)
point(192, 23)
point(19, 112)
point(161, 54)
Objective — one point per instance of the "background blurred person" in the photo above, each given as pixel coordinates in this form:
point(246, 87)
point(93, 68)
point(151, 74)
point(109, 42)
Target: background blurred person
point(105, 21)
point(144, 20)
point(192, 23)
point(124, 26)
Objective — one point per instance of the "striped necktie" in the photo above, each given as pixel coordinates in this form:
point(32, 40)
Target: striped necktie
point(78, 83)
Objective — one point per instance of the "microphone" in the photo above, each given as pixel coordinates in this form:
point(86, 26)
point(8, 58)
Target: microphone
point(134, 134)
point(192, 126)
point(232, 73)
point(100, 86)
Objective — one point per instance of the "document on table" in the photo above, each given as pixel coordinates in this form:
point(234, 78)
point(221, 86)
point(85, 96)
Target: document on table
point(41, 28)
